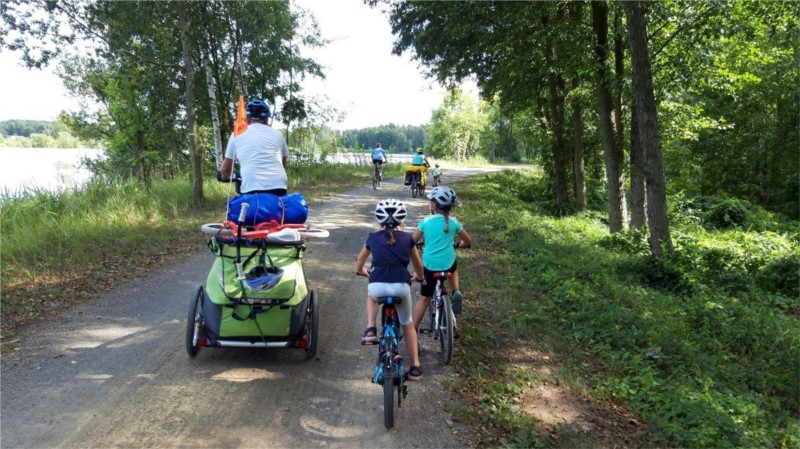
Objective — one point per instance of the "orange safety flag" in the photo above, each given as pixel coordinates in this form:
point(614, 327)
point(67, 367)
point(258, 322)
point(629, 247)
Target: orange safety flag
point(241, 118)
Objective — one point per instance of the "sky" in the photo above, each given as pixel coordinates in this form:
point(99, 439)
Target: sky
point(363, 78)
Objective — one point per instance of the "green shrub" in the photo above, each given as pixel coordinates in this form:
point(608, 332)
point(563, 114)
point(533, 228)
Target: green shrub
point(781, 276)
point(728, 213)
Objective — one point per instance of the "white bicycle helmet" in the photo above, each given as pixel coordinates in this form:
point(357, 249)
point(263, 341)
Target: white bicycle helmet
point(443, 196)
point(390, 212)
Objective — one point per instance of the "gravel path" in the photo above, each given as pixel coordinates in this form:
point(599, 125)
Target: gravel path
point(115, 372)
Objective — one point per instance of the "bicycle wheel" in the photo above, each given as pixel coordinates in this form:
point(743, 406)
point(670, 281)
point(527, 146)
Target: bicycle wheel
point(312, 326)
point(388, 397)
point(374, 183)
point(446, 329)
point(194, 321)
point(413, 188)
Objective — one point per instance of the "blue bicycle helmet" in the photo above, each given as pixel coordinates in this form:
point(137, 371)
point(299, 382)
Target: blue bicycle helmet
point(258, 109)
point(263, 278)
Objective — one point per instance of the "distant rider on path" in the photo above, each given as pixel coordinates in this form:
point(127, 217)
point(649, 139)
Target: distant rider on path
point(378, 159)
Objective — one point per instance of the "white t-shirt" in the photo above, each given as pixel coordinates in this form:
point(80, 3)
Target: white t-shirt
point(260, 151)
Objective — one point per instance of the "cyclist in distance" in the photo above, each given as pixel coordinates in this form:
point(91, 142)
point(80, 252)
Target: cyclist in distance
point(439, 230)
point(419, 164)
point(378, 159)
point(261, 151)
point(437, 174)
point(392, 250)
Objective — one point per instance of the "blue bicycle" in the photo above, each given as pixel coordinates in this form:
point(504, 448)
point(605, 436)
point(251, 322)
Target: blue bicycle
point(389, 369)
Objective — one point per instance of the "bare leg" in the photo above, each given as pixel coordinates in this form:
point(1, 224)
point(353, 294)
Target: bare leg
point(454, 281)
point(411, 342)
point(419, 310)
point(372, 312)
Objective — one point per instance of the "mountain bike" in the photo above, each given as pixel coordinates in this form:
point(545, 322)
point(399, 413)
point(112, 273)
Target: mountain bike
point(389, 369)
point(435, 182)
point(377, 174)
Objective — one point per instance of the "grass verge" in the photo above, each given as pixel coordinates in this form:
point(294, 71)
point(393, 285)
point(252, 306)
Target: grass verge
point(58, 248)
point(699, 349)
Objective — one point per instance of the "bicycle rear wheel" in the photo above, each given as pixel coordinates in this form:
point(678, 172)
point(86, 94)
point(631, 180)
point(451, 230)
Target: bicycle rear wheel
point(445, 328)
point(388, 397)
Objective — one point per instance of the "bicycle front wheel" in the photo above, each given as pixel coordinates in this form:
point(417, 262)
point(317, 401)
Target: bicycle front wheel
point(388, 398)
point(445, 328)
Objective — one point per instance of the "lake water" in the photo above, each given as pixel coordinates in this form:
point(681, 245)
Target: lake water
point(59, 168)
point(43, 168)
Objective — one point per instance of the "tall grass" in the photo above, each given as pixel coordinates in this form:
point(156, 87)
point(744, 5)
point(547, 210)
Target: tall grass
point(703, 344)
point(87, 236)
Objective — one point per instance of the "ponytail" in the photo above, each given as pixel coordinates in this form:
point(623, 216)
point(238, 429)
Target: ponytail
point(444, 210)
point(390, 233)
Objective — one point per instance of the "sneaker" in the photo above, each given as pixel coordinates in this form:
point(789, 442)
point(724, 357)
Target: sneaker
point(370, 336)
point(414, 373)
point(458, 300)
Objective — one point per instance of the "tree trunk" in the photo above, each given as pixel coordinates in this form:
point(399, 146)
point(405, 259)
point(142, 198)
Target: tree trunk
point(188, 72)
point(619, 78)
point(578, 167)
point(613, 151)
point(647, 119)
point(557, 146)
point(638, 218)
point(212, 100)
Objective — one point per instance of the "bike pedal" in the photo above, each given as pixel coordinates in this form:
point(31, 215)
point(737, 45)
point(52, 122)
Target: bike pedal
point(425, 331)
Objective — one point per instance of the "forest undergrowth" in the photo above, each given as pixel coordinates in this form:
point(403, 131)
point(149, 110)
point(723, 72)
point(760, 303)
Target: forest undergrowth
point(701, 345)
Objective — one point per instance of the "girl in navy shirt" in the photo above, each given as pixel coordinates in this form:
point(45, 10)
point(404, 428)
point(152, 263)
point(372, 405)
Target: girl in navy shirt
point(391, 251)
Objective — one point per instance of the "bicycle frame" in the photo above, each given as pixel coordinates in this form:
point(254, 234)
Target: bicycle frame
point(436, 301)
point(389, 369)
point(388, 354)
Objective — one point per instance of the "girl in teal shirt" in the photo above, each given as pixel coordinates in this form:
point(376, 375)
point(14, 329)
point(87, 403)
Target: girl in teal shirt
point(439, 231)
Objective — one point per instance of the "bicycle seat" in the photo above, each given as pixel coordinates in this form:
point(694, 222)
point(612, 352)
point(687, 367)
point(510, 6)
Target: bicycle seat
point(391, 300)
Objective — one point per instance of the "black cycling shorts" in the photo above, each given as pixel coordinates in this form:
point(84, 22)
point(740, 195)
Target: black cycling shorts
point(278, 192)
point(377, 162)
point(429, 285)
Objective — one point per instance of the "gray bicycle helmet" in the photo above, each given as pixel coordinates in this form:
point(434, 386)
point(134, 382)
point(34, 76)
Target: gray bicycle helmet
point(390, 212)
point(443, 196)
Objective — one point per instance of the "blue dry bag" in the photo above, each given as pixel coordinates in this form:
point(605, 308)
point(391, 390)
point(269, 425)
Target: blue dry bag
point(265, 207)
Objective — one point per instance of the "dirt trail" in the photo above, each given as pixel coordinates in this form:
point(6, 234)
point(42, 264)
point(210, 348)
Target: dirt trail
point(115, 373)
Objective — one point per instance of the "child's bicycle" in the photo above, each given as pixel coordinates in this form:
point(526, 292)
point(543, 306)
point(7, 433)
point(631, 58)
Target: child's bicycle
point(389, 369)
point(440, 311)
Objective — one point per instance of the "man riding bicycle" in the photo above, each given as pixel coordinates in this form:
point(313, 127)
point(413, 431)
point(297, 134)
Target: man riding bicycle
point(261, 152)
point(378, 159)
